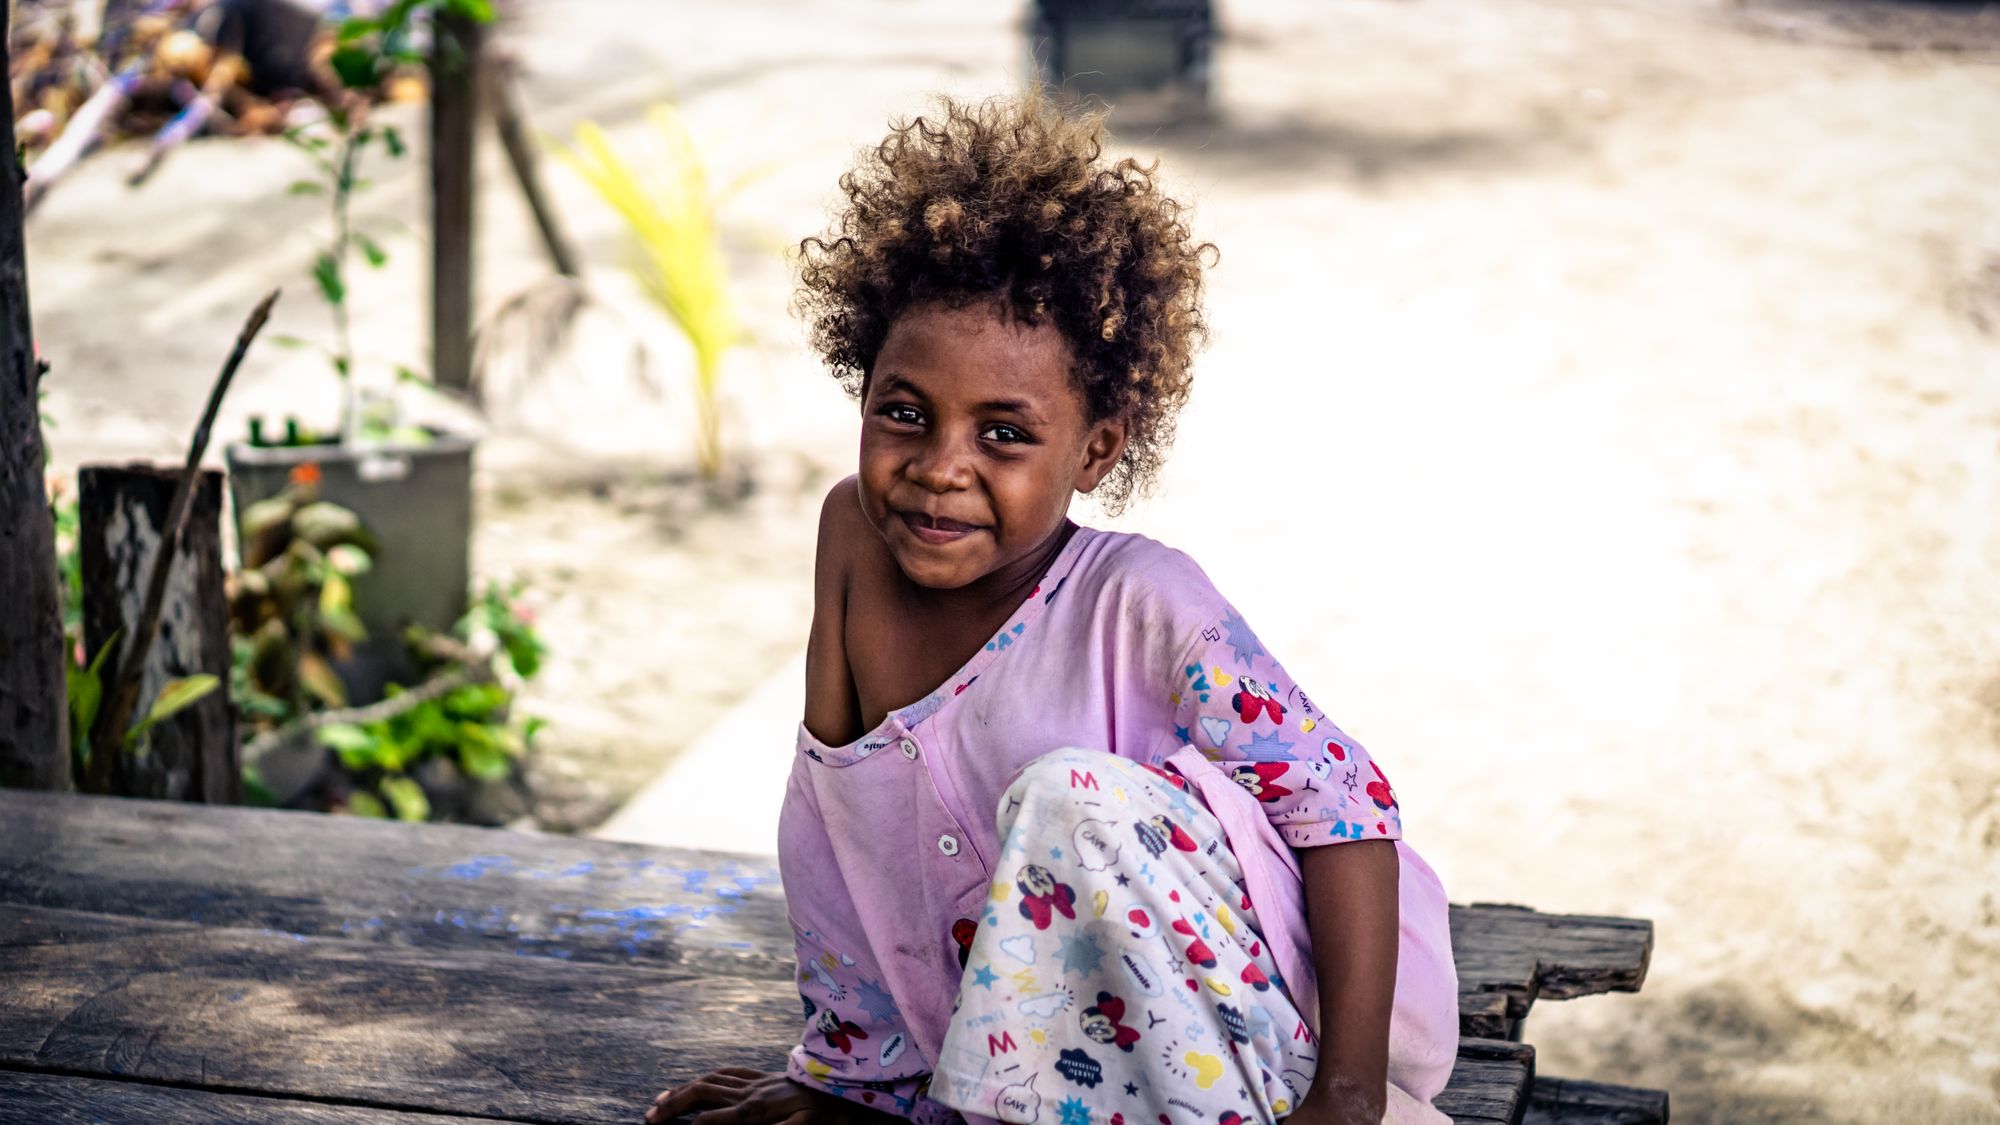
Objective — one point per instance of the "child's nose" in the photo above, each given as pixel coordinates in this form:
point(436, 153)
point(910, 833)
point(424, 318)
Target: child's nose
point(942, 466)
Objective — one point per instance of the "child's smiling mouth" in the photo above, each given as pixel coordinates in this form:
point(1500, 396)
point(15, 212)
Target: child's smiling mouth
point(936, 530)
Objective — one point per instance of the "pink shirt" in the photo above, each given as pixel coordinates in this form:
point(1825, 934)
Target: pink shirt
point(887, 844)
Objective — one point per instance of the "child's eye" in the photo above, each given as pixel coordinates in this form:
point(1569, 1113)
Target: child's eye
point(902, 414)
point(1003, 433)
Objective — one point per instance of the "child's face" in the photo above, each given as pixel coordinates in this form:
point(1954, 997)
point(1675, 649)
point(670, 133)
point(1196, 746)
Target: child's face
point(973, 438)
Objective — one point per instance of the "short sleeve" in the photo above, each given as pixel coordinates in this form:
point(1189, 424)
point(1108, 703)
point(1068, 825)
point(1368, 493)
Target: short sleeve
point(1236, 704)
point(855, 1044)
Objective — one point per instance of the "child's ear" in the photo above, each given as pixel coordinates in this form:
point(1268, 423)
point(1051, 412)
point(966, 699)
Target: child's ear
point(1101, 451)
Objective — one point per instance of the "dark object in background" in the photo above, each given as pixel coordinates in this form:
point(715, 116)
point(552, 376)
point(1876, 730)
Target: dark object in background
point(274, 36)
point(1112, 49)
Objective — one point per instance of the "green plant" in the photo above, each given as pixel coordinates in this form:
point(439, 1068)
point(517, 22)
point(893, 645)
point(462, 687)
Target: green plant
point(669, 212)
point(471, 726)
point(369, 51)
point(291, 604)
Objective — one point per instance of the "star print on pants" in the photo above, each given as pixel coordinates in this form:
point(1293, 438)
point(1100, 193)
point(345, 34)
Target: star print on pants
point(1080, 954)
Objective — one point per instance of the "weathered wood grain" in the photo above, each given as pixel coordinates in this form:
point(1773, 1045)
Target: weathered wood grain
point(1523, 955)
point(449, 887)
point(1489, 1084)
point(423, 886)
point(123, 511)
point(477, 1034)
point(1568, 1101)
point(28, 1098)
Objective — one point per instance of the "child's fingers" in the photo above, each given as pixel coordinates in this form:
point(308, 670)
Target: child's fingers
point(758, 1108)
point(707, 1091)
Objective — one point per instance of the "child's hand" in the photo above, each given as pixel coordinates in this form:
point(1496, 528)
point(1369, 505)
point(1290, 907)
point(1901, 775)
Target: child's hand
point(738, 1095)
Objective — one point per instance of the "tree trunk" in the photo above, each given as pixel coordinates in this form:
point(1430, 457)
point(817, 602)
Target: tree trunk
point(123, 516)
point(34, 712)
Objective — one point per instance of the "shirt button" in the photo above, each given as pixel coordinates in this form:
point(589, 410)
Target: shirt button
point(910, 750)
point(948, 844)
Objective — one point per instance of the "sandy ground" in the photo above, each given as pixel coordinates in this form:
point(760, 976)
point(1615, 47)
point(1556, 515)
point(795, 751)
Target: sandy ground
point(1601, 414)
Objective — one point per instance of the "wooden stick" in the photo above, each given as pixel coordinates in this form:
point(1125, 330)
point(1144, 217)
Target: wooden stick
point(108, 739)
point(454, 68)
point(84, 130)
point(499, 78)
point(476, 668)
point(205, 103)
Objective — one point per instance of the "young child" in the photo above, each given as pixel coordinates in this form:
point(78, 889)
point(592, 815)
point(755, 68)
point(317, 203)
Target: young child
point(1063, 843)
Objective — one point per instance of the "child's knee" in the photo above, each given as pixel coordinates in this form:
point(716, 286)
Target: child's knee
point(1059, 773)
point(1056, 780)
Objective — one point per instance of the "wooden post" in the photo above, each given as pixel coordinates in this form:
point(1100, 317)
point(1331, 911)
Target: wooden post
point(34, 712)
point(456, 50)
point(123, 514)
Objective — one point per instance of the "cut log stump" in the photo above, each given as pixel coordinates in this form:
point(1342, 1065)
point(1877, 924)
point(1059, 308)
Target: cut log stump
point(123, 512)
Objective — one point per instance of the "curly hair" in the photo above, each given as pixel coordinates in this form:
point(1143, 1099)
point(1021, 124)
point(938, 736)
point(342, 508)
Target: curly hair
point(1006, 199)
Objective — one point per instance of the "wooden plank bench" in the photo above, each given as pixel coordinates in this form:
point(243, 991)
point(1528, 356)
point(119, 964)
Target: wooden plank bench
point(207, 964)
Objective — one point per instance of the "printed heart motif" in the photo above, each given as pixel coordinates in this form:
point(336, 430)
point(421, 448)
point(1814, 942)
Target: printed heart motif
point(1221, 678)
point(1306, 726)
point(1216, 728)
point(1020, 947)
point(1141, 923)
point(1338, 751)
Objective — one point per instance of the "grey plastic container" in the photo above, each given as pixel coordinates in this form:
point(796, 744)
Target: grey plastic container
point(417, 503)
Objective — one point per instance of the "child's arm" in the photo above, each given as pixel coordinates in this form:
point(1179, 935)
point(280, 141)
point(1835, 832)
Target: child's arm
point(1352, 910)
point(1325, 796)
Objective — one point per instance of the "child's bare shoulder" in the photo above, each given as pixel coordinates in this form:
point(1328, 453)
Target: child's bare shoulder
point(845, 564)
point(848, 546)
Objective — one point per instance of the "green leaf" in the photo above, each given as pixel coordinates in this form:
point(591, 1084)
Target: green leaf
point(478, 11)
point(363, 803)
point(319, 678)
point(371, 250)
point(285, 341)
point(356, 66)
point(326, 271)
point(357, 27)
point(306, 187)
point(407, 797)
point(345, 624)
point(86, 694)
point(177, 696)
point(393, 137)
point(348, 559)
point(485, 762)
point(255, 792)
point(344, 738)
point(412, 375)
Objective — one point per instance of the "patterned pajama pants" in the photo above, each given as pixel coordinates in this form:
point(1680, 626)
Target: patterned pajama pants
point(1119, 976)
